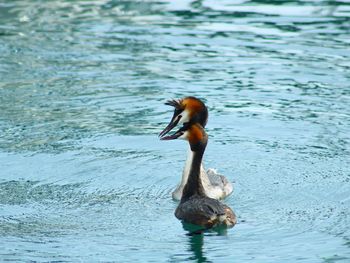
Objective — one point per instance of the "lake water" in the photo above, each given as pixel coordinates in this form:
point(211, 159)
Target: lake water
point(83, 175)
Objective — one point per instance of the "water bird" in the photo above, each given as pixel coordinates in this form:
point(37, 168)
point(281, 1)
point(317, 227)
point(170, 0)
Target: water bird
point(192, 110)
point(195, 206)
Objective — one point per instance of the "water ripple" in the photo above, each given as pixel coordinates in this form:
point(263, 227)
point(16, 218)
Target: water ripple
point(83, 175)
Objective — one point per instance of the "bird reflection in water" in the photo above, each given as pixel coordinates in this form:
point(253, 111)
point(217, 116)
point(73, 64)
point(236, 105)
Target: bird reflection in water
point(196, 240)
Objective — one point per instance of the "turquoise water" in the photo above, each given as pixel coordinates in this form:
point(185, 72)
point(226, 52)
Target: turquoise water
point(84, 177)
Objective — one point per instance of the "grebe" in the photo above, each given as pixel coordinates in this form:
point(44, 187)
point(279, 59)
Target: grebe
point(195, 206)
point(192, 110)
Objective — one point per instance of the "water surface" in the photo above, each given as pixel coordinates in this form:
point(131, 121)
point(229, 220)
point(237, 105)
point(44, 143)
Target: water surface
point(82, 85)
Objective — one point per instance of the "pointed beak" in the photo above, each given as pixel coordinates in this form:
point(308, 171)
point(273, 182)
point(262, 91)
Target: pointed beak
point(173, 136)
point(174, 121)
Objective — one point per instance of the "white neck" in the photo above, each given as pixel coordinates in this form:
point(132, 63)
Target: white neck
point(187, 168)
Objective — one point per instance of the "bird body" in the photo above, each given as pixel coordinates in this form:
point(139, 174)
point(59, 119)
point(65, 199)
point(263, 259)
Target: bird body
point(215, 185)
point(206, 212)
point(195, 206)
point(191, 110)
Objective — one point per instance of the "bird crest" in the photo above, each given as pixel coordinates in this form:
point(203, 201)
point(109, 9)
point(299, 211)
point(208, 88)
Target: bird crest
point(177, 104)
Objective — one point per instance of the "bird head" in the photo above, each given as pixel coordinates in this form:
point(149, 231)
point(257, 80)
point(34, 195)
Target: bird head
point(187, 111)
point(191, 132)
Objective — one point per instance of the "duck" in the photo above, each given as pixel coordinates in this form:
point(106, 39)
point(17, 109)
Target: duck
point(192, 110)
point(195, 206)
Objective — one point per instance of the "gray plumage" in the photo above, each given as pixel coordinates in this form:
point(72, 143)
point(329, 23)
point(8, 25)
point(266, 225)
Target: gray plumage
point(201, 210)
